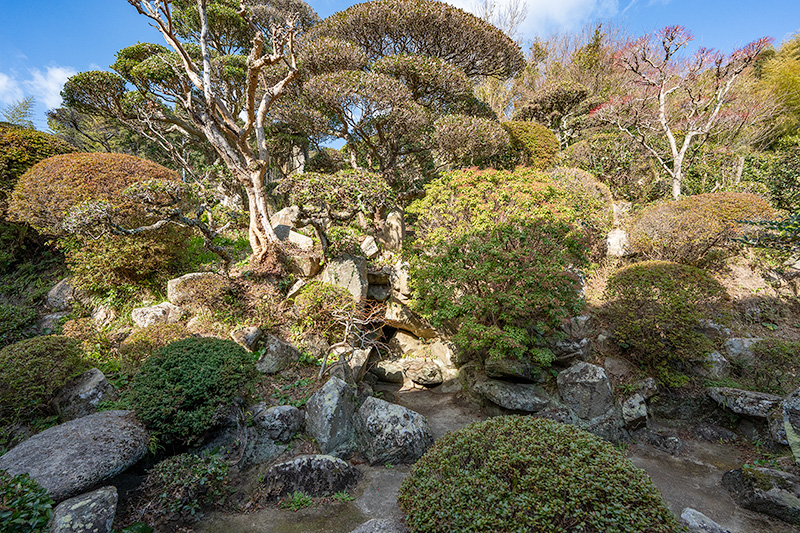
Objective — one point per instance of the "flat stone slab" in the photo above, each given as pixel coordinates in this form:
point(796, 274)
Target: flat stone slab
point(87, 513)
point(743, 402)
point(513, 396)
point(70, 458)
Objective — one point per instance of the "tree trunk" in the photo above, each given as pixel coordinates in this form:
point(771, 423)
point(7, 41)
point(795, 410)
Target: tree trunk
point(260, 231)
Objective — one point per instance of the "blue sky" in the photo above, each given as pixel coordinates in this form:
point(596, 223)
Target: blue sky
point(42, 42)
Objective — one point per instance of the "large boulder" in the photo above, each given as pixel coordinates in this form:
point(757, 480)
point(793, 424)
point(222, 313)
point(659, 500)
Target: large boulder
point(569, 350)
point(281, 422)
point(744, 402)
point(393, 232)
point(400, 316)
point(390, 433)
point(712, 365)
point(741, 349)
point(80, 396)
point(697, 522)
point(70, 458)
point(92, 512)
point(772, 492)
point(314, 475)
point(329, 417)
point(404, 343)
point(277, 355)
point(421, 372)
point(586, 390)
point(247, 337)
point(512, 369)
point(634, 411)
point(63, 295)
point(513, 396)
point(350, 273)
point(400, 280)
point(388, 371)
point(163, 313)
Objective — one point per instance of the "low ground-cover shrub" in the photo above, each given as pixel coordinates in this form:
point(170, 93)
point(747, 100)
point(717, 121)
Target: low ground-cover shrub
point(32, 370)
point(774, 368)
point(654, 308)
point(14, 322)
point(521, 474)
point(25, 506)
point(181, 390)
point(695, 230)
point(143, 343)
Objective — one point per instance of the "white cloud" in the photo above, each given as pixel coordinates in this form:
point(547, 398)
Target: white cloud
point(46, 86)
point(10, 91)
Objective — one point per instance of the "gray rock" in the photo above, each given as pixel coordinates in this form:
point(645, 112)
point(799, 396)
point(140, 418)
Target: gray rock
point(329, 417)
point(104, 315)
point(163, 313)
point(284, 220)
point(422, 372)
point(358, 362)
point(294, 290)
point(617, 243)
point(400, 316)
point(648, 388)
point(389, 433)
point(713, 433)
point(259, 448)
point(379, 293)
point(305, 264)
point(381, 276)
point(92, 512)
point(314, 475)
point(777, 427)
point(700, 523)
point(394, 231)
point(48, 323)
point(513, 369)
point(513, 396)
point(709, 328)
point(742, 402)
point(80, 396)
point(278, 354)
point(404, 343)
point(617, 368)
point(62, 295)
point(671, 444)
point(400, 280)
point(247, 337)
point(382, 525)
point(790, 409)
point(578, 327)
point(771, 492)
point(571, 350)
point(281, 422)
point(350, 273)
point(243, 446)
point(447, 354)
point(388, 371)
point(712, 365)
point(586, 390)
point(634, 411)
point(369, 247)
point(72, 457)
point(608, 426)
point(741, 349)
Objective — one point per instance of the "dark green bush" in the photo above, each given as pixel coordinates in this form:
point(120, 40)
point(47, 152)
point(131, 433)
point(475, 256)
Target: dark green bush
point(25, 506)
point(774, 368)
point(523, 474)
point(32, 370)
point(14, 321)
point(654, 308)
point(695, 230)
point(326, 161)
point(177, 488)
point(182, 389)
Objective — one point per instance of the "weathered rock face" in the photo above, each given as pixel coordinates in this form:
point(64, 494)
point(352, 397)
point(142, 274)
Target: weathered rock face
point(404, 343)
point(513, 396)
point(163, 313)
point(424, 373)
point(62, 295)
point(329, 417)
point(388, 371)
point(791, 422)
point(570, 350)
point(767, 491)
point(243, 446)
point(400, 280)
point(742, 402)
point(72, 457)
point(398, 315)
point(48, 323)
point(741, 349)
point(80, 396)
point(512, 369)
point(358, 361)
point(182, 291)
point(712, 365)
point(315, 475)
point(278, 354)
point(586, 390)
point(697, 522)
point(394, 231)
point(370, 247)
point(247, 337)
point(378, 293)
point(447, 354)
point(634, 411)
point(90, 513)
point(104, 315)
point(280, 422)
point(350, 273)
point(578, 327)
point(389, 433)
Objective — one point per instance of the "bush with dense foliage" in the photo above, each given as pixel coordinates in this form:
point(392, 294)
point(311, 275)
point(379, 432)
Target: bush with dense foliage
point(142, 343)
point(654, 308)
point(52, 191)
point(32, 370)
point(695, 230)
point(314, 306)
point(497, 254)
point(532, 145)
point(177, 488)
point(14, 322)
point(774, 367)
point(465, 141)
point(181, 390)
point(522, 474)
point(25, 506)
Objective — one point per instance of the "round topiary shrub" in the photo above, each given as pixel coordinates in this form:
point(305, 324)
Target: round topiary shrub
point(32, 370)
point(696, 230)
point(532, 145)
point(522, 474)
point(25, 506)
point(654, 308)
point(183, 388)
point(53, 190)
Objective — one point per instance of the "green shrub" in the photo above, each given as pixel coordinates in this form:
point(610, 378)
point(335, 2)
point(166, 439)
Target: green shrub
point(654, 308)
point(143, 343)
point(465, 141)
point(14, 322)
point(182, 388)
point(774, 368)
point(25, 506)
point(695, 230)
point(532, 145)
point(522, 474)
point(180, 486)
point(20, 149)
point(32, 370)
point(326, 161)
point(314, 306)
point(780, 172)
point(53, 188)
